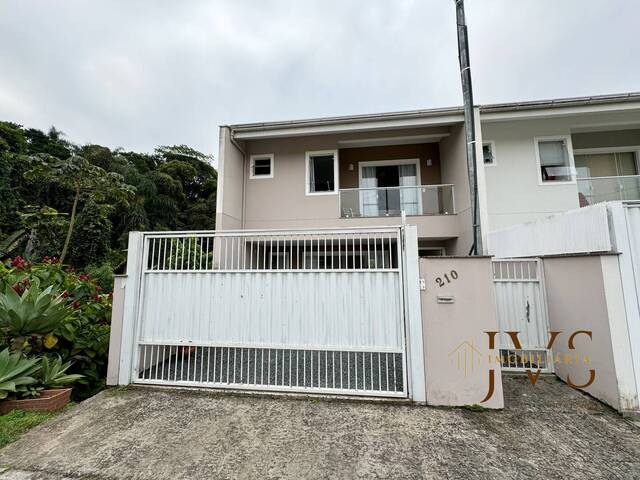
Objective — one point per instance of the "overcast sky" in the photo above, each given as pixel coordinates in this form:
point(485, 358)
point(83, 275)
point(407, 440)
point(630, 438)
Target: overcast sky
point(136, 74)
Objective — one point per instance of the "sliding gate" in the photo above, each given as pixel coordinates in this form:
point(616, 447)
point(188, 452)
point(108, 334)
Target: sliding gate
point(296, 311)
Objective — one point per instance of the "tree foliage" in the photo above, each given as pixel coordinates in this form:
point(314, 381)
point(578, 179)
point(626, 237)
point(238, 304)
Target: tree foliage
point(80, 202)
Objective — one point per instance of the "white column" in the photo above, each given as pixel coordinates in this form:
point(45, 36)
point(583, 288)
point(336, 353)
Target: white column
point(413, 316)
point(115, 336)
point(132, 300)
point(482, 185)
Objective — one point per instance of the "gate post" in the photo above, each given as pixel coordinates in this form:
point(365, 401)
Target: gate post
point(413, 315)
point(132, 302)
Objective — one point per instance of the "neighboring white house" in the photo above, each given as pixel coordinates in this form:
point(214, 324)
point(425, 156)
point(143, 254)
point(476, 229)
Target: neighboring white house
point(552, 156)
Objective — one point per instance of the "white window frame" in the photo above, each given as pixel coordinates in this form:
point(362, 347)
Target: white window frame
point(635, 149)
point(493, 152)
point(307, 161)
point(253, 158)
point(390, 163)
point(572, 165)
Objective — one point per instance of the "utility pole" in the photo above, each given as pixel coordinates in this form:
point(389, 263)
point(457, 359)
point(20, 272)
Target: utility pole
point(469, 124)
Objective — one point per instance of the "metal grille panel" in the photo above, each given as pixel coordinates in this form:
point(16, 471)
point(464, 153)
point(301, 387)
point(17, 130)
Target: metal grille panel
point(298, 370)
point(518, 360)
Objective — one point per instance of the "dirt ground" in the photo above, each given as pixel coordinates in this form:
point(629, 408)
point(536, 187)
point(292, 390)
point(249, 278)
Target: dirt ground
point(546, 431)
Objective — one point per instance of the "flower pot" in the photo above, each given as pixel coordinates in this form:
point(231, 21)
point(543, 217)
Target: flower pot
point(48, 401)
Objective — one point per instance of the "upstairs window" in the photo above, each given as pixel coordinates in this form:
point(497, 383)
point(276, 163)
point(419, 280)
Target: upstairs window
point(489, 153)
point(261, 166)
point(554, 160)
point(322, 172)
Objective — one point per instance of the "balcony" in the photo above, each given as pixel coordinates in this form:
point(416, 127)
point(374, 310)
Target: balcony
point(592, 190)
point(391, 201)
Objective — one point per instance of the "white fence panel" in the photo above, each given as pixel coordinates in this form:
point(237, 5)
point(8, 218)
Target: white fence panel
point(626, 222)
point(577, 231)
point(341, 310)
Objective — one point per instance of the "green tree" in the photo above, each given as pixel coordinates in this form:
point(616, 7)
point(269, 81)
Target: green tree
point(175, 188)
point(84, 179)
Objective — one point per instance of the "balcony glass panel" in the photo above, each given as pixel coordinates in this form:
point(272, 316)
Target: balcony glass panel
point(593, 190)
point(391, 201)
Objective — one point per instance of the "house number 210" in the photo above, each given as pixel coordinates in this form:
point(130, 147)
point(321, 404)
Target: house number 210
point(448, 278)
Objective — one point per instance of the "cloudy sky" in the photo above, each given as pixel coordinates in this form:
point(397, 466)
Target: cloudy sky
point(136, 74)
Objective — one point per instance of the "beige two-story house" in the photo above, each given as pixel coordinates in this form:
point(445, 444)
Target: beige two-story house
point(533, 159)
point(350, 172)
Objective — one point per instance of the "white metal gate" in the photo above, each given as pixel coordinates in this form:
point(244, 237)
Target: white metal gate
point(522, 307)
point(303, 311)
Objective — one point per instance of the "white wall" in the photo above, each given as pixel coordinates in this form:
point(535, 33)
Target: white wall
point(514, 194)
point(454, 170)
point(583, 230)
point(230, 184)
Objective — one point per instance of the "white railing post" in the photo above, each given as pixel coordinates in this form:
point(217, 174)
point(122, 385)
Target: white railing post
point(413, 315)
point(132, 302)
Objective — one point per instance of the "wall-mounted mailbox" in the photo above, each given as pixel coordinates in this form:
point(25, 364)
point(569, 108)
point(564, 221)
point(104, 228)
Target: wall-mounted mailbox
point(445, 299)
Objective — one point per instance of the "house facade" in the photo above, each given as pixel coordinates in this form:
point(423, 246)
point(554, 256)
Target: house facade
point(313, 282)
point(534, 159)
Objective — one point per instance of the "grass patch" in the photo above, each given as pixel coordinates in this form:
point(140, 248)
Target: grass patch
point(113, 391)
point(17, 422)
point(476, 408)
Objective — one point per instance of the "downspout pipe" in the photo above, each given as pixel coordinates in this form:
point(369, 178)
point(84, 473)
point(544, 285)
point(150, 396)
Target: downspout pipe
point(469, 124)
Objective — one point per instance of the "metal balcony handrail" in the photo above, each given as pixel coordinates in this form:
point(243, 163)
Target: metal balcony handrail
point(608, 177)
point(398, 187)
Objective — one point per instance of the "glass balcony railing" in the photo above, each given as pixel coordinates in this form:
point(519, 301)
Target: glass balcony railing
point(593, 190)
point(391, 201)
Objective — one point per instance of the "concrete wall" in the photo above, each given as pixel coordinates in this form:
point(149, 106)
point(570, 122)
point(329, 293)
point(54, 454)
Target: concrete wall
point(115, 336)
point(454, 170)
point(513, 192)
point(585, 293)
point(455, 329)
point(230, 184)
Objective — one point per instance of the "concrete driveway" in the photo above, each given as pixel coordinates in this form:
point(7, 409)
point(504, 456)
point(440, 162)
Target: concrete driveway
point(546, 431)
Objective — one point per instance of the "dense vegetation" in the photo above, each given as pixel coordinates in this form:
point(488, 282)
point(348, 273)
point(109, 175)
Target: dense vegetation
point(65, 214)
point(49, 184)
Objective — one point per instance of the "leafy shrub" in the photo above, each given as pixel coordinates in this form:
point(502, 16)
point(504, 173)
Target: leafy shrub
point(102, 275)
point(16, 372)
point(83, 337)
point(34, 312)
point(53, 373)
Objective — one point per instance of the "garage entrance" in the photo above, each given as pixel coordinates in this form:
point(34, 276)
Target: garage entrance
point(302, 311)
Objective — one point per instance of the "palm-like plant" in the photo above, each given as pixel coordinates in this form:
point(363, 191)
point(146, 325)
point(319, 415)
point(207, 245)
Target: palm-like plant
point(53, 373)
point(35, 312)
point(16, 372)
